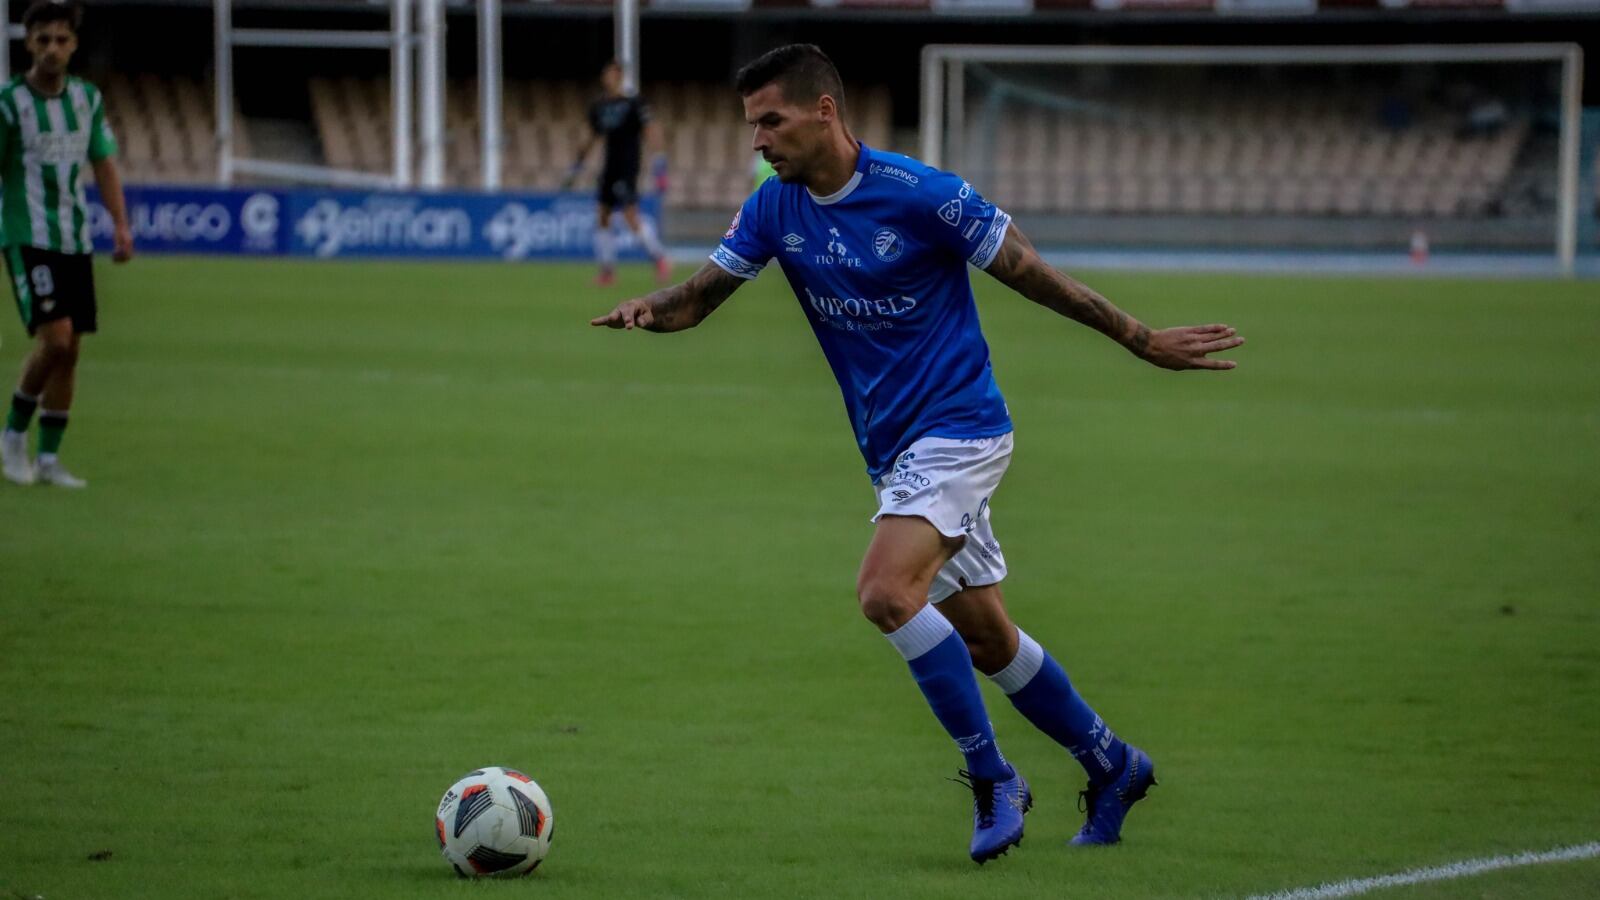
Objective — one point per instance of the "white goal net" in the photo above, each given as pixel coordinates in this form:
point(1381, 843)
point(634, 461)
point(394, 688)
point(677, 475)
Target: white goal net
point(1462, 147)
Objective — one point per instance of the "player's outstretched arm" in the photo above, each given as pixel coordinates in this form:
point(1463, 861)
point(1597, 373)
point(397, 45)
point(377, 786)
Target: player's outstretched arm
point(1019, 267)
point(675, 308)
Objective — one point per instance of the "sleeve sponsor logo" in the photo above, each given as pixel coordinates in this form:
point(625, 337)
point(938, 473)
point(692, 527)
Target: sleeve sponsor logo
point(951, 213)
point(990, 247)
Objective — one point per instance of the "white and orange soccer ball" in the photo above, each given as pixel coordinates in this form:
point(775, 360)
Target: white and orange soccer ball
point(495, 822)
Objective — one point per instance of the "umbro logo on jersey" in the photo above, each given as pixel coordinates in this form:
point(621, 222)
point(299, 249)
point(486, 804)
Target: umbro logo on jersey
point(794, 241)
point(951, 213)
point(901, 496)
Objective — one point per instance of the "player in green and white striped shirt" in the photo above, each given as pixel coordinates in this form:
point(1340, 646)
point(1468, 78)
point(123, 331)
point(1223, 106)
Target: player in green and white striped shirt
point(52, 125)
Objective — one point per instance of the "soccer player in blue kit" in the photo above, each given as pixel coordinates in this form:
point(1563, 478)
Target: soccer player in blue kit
point(876, 247)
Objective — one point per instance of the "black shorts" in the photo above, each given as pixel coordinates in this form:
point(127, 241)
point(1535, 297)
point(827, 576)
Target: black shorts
point(50, 286)
point(619, 188)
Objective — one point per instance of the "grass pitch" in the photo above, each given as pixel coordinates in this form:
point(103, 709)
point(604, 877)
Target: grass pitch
point(355, 529)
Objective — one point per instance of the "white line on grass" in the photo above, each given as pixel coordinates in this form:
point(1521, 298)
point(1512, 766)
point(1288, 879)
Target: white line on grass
point(1464, 869)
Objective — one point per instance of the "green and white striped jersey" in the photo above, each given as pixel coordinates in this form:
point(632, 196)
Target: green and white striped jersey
point(44, 144)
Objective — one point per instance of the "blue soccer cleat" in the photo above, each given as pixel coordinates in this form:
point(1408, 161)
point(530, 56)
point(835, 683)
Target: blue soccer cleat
point(1108, 804)
point(997, 811)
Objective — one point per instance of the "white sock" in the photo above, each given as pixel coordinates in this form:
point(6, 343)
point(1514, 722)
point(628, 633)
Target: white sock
point(605, 247)
point(647, 236)
point(1026, 664)
point(924, 632)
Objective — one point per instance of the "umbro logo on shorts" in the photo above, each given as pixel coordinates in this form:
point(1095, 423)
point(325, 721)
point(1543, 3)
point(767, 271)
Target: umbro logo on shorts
point(900, 495)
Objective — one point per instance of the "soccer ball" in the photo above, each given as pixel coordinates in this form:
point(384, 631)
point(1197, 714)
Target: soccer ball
point(494, 822)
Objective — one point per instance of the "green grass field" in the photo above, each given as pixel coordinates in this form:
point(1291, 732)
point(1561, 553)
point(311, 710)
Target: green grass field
point(355, 529)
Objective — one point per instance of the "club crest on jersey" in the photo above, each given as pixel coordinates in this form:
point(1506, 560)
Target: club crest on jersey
point(951, 213)
point(733, 228)
point(887, 245)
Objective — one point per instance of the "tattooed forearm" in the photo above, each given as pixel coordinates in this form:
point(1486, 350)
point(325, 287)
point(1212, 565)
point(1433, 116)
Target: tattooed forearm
point(687, 305)
point(1019, 267)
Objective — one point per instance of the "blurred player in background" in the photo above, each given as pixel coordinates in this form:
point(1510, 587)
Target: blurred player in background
point(51, 125)
point(623, 122)
point(875, 247)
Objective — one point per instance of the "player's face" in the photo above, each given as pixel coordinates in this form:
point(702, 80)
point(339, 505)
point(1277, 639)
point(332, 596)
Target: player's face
point(611, 79)
point(787, 135)
point(51, 45)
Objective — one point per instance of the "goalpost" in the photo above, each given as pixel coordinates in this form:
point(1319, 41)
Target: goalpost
point(1477, 142)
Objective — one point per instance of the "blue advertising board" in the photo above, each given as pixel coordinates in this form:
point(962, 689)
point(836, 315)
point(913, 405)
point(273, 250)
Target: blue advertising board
point(364, 224)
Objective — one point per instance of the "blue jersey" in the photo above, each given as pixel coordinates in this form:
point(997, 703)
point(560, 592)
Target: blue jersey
point(880, 269)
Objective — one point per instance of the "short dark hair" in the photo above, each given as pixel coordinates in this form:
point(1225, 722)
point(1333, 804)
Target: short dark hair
point(803, 71)
point(43, 12)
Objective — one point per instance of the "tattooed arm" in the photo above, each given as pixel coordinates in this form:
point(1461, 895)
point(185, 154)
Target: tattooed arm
point(1019, 267)
point(675, 308)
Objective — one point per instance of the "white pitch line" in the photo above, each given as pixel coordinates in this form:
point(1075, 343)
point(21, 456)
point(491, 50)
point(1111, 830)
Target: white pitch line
point(1464, 869)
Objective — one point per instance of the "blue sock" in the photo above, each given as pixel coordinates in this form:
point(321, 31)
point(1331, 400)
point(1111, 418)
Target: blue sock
point(943, 669)
point(1040, 690)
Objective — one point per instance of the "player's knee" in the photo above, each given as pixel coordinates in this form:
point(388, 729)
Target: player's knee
point(59, 346)
point(887, 603)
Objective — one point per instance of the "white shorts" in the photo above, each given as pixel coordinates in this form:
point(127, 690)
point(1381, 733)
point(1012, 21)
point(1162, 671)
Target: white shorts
point(949, 482)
